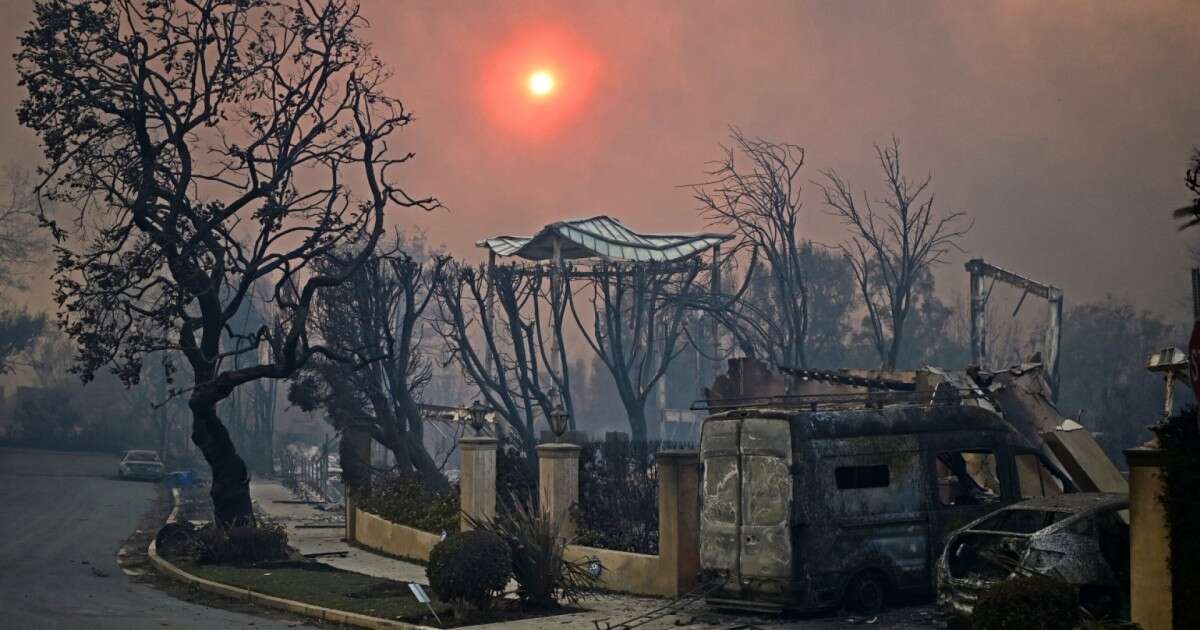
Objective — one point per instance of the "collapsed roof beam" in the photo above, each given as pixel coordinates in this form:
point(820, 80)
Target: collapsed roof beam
point(1052, 340)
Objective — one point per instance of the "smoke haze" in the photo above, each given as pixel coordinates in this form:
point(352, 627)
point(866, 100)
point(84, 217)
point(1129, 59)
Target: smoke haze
point(1062, 128)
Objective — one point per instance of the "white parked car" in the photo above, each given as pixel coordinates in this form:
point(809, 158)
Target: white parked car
point(140, 465)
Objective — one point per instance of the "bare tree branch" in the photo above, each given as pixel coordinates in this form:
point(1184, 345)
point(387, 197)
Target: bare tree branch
point(890, 248)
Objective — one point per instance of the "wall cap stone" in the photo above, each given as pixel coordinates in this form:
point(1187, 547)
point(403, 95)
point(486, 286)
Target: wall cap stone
point(1145, 456)
point(679, 454)
point(477, 442)
point(555, 450)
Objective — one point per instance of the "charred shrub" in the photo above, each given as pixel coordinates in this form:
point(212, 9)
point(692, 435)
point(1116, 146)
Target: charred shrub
point(471, 567)
point(618, 495)
point(176, 540)
point(405, 499)
point(265, 542)
point(1027, 603)
point(516, 477)
point(1180, 441)
point(544, 575)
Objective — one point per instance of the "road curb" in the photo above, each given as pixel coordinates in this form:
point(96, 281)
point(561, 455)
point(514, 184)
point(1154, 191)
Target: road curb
point(320, 613)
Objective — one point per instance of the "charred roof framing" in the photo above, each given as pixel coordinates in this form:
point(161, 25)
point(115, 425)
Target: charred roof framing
point(980, 293)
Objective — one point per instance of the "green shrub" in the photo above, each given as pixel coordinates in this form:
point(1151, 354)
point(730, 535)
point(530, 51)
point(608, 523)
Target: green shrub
point(403, 498)
point(544, 576)
point(1027, 603)
point(265, 542)
point(471, 567)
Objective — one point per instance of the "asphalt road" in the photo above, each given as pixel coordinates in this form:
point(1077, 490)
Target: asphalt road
point(62, 519)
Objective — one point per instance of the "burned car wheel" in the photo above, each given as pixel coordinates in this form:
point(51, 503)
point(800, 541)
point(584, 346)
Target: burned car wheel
point(867, 593)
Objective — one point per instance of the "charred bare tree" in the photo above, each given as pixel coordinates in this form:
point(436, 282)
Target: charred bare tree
point(376, 317)
point(891, 247)
point(638, 316)
point(492, 323)
point(754, 189)
point(207, 145)
point(20, 242)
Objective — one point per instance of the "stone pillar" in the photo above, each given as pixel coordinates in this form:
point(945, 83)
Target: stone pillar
point(1149, 549)
point(678, 520)
point(477, 482)
point(558, 482)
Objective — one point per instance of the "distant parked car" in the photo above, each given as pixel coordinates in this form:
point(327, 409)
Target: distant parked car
point(1082, 539)
point(140, 465)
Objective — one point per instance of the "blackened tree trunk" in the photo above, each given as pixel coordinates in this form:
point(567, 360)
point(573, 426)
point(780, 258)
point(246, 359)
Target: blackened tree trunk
point(635, 410)
point(230, 479)
point(354, 452)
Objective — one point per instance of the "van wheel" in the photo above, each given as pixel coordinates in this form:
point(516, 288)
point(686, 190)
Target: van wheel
point(867, 593)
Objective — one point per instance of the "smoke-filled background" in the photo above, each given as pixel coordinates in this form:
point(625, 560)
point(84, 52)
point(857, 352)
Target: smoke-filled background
point(1063, 129)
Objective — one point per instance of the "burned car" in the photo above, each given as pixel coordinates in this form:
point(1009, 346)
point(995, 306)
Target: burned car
point(1082, 539)
point(140, 465)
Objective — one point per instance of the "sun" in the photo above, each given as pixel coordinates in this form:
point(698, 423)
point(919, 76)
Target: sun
point(541, 83)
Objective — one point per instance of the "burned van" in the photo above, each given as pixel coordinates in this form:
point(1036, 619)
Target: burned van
point(809, 509)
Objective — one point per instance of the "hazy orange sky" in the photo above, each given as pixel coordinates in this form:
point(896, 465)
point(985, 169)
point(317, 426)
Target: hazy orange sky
point(1063, 128)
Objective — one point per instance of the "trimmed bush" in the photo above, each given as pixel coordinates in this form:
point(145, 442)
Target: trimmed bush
point(471, 567)
point(403, 498)
point(1027, 603)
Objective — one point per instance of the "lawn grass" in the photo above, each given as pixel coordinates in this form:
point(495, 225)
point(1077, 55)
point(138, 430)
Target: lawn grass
point(322, 585)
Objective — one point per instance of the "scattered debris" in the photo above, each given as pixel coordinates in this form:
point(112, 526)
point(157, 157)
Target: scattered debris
point(327, 554)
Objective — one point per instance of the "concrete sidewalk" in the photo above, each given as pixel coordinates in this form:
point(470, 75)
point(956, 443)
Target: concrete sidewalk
point(267, 495)
point(326, 538)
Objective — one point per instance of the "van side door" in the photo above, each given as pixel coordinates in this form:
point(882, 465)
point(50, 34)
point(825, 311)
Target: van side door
point(874, 487)
point(964, 484)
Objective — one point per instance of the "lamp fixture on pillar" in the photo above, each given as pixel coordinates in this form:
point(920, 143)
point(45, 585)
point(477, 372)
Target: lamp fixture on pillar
point(477, 416)
point(1173, 363)
point(558, 420)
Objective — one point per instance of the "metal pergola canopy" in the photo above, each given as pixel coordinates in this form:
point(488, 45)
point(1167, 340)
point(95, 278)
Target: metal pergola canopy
point(601, 237)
